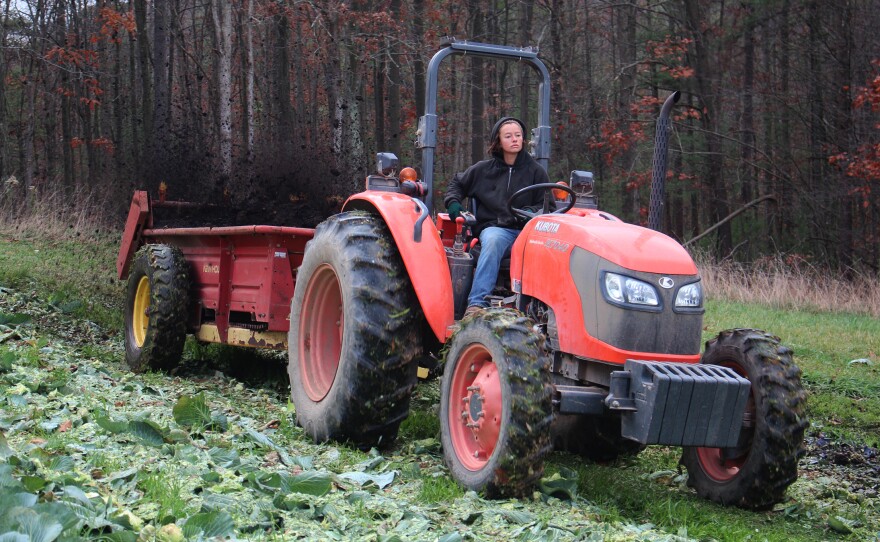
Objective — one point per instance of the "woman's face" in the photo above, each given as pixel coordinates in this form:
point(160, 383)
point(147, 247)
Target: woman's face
point(511, 137)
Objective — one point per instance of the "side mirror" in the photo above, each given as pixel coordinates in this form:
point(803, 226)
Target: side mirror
point(386, 163)
point(581, 182)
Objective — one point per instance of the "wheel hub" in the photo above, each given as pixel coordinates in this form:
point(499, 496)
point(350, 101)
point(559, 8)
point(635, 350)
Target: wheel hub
point(475, 406)
point(140, 312)
point(321, 333)
point(476, 413)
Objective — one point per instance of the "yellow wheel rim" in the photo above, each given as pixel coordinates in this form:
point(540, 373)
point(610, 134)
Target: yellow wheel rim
point(140, 318)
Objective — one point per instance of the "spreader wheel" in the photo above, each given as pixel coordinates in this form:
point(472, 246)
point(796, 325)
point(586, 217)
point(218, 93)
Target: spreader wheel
point(156, 306)
point(495, 404)
point(755, 473)
point(354, 333)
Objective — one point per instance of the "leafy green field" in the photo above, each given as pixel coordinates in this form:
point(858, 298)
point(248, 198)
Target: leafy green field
point(89, 449)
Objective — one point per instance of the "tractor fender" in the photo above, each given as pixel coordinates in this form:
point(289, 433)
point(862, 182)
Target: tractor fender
point(421, 250)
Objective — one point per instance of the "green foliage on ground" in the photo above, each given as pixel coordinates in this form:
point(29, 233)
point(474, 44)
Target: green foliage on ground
point(74, 272)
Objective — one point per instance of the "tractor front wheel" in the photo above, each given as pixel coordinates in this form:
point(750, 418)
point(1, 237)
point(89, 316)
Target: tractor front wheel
point(495, 404)
point(157, 300)
point(353, 337)
point(755, 473)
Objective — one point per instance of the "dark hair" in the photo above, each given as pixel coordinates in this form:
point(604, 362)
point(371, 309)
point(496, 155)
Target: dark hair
point(495, 145)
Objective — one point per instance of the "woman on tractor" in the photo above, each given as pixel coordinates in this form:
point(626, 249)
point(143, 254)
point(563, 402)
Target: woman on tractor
point(490, 183)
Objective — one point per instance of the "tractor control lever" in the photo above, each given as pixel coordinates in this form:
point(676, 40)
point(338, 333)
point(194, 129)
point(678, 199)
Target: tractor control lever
point(458, 244)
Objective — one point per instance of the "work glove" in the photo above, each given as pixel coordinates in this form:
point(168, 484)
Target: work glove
point(454, 210)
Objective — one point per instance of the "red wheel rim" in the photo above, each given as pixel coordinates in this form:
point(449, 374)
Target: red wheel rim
point(320, 332)
point(715, 465)
point(475, 407)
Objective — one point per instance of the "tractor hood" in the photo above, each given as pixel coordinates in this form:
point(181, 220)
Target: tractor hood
point(629, 246)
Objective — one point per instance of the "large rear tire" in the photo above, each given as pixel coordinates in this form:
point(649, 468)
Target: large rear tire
point(156, 304)
point(756, 473)
point(495, 404)
point(353, 334)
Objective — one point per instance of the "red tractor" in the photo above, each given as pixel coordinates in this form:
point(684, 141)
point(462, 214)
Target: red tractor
point(592, 345)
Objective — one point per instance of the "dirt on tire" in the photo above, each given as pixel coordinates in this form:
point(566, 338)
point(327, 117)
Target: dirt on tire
point(767, 463)
point(368, 368)
point(164, 272)
point(516, 461)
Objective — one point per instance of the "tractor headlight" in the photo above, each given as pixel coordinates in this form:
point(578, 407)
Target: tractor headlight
point(629, 291)
point(689, 296)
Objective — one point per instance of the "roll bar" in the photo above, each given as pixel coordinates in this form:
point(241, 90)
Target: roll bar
point(427, 133)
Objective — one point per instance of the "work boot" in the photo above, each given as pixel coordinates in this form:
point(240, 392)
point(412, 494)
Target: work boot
point(472, 310)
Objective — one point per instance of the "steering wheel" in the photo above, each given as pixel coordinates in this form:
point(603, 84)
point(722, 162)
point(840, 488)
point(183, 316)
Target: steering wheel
point(548, 188)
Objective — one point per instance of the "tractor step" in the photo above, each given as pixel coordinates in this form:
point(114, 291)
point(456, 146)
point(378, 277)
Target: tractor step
point(678, 404)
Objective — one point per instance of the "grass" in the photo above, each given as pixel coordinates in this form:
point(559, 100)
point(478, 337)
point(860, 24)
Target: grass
point(791, 282)
point(437, 489)
point(75, 273)
point(624, 492)
point(844, 396)
point(167, 493)
point(61, 246)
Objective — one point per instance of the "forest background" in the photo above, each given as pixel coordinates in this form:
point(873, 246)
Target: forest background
point(267, 105)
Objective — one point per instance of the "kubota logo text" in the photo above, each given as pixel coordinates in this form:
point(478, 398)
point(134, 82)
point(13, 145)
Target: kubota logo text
point(547, 227)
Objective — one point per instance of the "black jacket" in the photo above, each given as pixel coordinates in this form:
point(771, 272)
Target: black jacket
point(491, 182)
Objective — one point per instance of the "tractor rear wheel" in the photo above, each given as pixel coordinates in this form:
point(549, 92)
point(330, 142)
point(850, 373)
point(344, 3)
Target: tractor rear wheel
point(756, 473)
point(156, 304)
point(495, 404)
point(353, 334)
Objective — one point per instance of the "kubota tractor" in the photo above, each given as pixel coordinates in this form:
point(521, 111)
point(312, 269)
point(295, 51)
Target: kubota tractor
point(592, 345)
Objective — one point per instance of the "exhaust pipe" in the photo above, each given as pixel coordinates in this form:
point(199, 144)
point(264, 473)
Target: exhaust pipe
point(658, 169)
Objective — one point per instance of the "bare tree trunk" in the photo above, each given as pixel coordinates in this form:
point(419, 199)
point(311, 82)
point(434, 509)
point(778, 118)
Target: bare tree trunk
point(119, 108)
point(162, 104)
point(525, 88)
point(418, 21)
point(221, 12)
point(478, 131)
point(281, 85)
point(99, 172)
point(394, 83)
point(249, 82)
point(709, 88)
point(842, 126)
point(379, 102)
point(818, 135)
point(342, 76)
point(747, 144)
point(786, 210)
point(27, 116)
point(145, 126)
point(4, 19)
point(66, 128)
point(136, 120)
point(625, 21)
